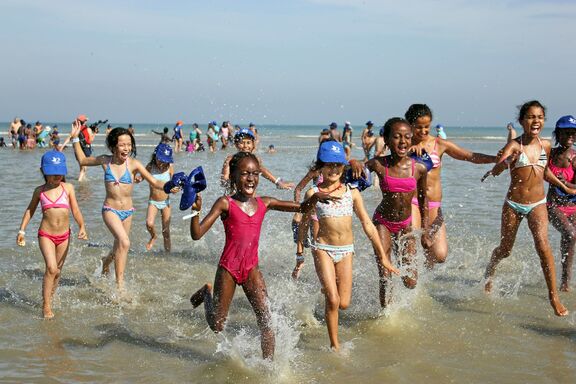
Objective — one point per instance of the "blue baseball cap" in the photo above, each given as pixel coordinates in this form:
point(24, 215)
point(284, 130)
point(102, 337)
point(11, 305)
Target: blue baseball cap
point(243, 132)
point(369, 123)
point(439, 127)
point(567, 121)
point(163, 153)
point(333, 125)
point(331, 152)
point(53, 163)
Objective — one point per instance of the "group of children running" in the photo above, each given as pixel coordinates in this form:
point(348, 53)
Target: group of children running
point(409, 178)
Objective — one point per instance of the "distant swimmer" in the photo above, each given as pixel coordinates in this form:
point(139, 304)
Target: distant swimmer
point(368, 141)
point(440, 131)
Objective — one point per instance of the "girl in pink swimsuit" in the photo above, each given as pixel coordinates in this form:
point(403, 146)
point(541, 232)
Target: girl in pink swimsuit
point(57, 199)
point(562, 207)
point(242, 213)
point(333, 245)
point(401, 180)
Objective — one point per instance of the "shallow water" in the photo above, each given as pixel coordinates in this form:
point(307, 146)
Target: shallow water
point(446, 330)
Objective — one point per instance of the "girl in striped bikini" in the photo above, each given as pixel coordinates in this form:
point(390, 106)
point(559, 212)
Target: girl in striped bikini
point(420, 118)
point(527, 157)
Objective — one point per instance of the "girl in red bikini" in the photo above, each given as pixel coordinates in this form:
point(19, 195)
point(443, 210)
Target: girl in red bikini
point(242, 213)
point(401, 179)
point(562, 207)
point(57, 199)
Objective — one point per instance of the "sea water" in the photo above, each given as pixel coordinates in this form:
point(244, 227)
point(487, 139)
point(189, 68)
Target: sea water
point(446, 330)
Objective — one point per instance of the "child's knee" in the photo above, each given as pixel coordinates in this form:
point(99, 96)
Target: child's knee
point(124, 243)
point(52, 270)
point(344, 303)
point(333, 301)
point(150, 225)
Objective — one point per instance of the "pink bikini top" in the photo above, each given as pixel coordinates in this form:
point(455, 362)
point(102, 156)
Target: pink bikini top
point(567, 173)
point(61, 202)
point(398, 184)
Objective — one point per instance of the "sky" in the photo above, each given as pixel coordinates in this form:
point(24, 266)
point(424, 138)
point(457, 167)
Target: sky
point(285, 62)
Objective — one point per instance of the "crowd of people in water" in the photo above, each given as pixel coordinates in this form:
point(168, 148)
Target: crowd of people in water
point(404, 160)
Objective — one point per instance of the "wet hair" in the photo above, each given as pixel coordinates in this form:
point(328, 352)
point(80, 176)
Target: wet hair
point(523, 109)
point(165, 130)
point(194, 125)
point(234, 162)
point(390, 123)
point(112, 139)
point(417, 110)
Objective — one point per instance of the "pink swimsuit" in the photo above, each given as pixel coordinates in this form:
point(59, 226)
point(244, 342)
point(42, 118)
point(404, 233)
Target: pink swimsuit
point(61, 202)
point(568, 175)
point(240, 254)
point(395, 185)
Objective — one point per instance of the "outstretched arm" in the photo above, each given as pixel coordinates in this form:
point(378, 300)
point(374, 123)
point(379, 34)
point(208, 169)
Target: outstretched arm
point(276, 180)
point(310, 175)
point(197, 228)
point(459, 153)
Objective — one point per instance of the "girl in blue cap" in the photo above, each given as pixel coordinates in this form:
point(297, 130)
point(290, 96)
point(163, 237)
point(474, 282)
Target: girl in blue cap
point(333, 245)
point(562, 207)
point(119, 171)
point(527, 157)
point(57, 199)
point(160, 167)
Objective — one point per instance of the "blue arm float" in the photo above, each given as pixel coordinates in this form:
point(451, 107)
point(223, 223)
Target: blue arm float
point(194, 183)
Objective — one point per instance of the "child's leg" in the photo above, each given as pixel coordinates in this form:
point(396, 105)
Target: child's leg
point(119, 254)
point(326, 272)
point(438, 252)
point(150, 217)
point(216, 305)
point(255, 290)
point(510, 221)
point(566, 226)
point(538, 224)
point(383, 273)
point(61, 253)
point(166, 212)
point(48, 250)
point(408, 252)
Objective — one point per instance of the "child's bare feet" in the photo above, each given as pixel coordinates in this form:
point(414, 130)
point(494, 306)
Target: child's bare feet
point(297, 269)
point(198, 297)
point(410, 281)
point(150, 243)
point(565, 287)
point(488, 286)
point(47, 313)
point(559, 309)
point(105, 266)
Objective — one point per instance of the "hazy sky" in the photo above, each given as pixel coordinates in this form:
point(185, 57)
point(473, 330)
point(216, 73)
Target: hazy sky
point(291, 61)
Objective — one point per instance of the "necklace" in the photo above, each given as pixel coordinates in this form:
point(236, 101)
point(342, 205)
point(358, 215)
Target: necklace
point(331, 190)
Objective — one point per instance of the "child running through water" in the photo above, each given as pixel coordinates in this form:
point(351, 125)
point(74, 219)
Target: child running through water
point(527, 156)
point(160, 167)
point(242, 214)
point(562, 207)
point(244, 141)
point(118, 208)
point(401, 177)
point(57, 199)
point(333, 246)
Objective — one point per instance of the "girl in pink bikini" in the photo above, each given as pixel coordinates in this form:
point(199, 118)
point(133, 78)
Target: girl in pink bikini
point(401, 179)
point(333, 245)
point(242, 213)
point(562, 207)
point(57, 199)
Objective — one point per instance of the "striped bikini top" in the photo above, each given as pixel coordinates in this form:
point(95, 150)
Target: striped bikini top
point(61, 202)
point(524, 161)
point(436, 160)
point(398, 184)
point(336, 208)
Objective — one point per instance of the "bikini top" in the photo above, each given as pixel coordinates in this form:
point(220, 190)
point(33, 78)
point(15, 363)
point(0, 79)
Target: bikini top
point(164, 176)
point(397, 184)
point(109, 177)
point(61, 202)
point(436, 160)
point(337, 208)
point(567, 172)
point(523, 160)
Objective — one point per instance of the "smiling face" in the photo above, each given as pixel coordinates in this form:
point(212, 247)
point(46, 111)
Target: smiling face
point(400, 139)
point(246, 177)
point(565, 137)
point(123, 148)
point(533, 121)
point(245, 145)
point(421, 127)
point(332, 172)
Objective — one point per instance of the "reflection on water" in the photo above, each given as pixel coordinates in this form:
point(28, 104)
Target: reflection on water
point(444, 330)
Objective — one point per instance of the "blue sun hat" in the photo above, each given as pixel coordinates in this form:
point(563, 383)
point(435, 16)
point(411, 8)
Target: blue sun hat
point(424, 159)
point(361, 183)
point(194, 183)
point(242, 133)
point(331, 152)
point(163, 153)
point(567, 121)
point(53, 163)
